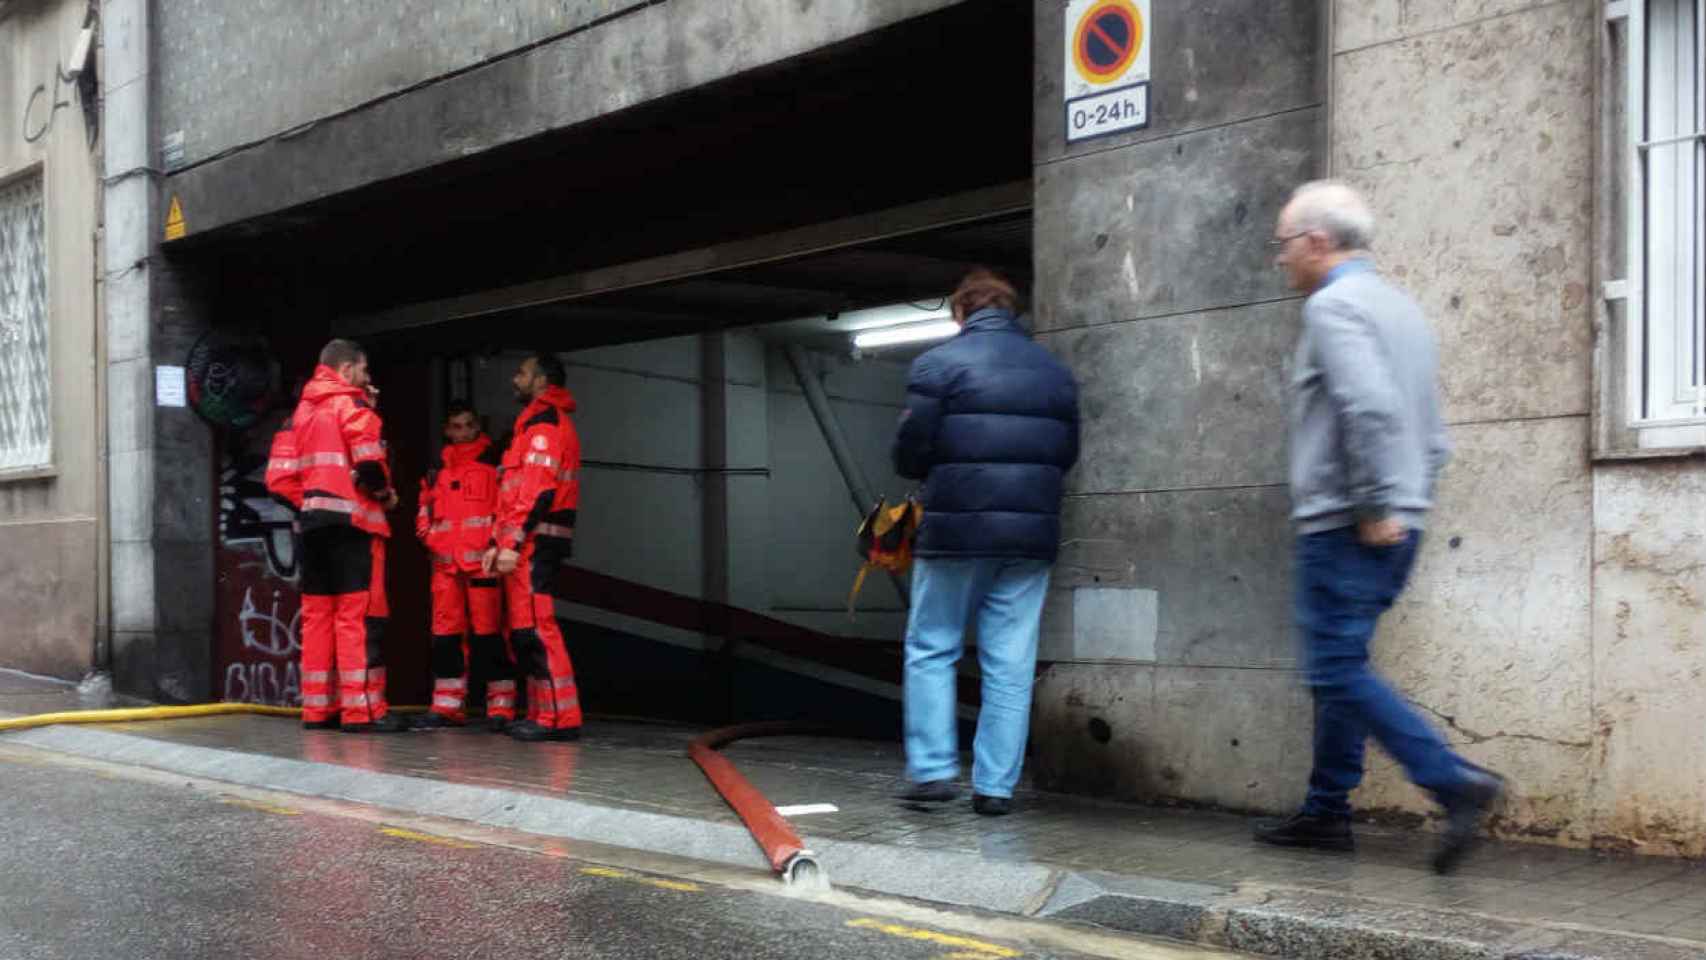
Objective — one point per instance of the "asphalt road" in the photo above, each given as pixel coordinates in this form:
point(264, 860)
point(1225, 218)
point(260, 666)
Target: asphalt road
point(97, 862)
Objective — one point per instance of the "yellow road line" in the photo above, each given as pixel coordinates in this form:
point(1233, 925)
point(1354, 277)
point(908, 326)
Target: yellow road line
point(680, 886)
point(972, 948)
point(402, 834)
point(262, 807)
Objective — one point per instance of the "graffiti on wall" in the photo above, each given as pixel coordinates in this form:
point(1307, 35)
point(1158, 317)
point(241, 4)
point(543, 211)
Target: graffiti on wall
point(260, 610)
point(248, 514)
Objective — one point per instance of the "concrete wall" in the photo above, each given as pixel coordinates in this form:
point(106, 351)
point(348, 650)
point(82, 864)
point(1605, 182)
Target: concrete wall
point(790, 521)
point(49, 561)
point(489, 74)
point(1153, 284)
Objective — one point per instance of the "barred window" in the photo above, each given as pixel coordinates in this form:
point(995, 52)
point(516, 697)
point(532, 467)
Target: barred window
point(26, 422)
point(1665, 152)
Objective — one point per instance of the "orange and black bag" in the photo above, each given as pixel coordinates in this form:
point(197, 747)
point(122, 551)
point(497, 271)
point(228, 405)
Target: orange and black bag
point(885, 541)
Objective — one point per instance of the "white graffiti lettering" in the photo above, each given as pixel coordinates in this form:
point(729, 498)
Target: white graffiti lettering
point(261, 683)
point(281, 638)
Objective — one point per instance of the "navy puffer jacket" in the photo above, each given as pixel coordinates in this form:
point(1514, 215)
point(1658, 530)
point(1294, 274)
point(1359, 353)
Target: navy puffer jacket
point(991, 427)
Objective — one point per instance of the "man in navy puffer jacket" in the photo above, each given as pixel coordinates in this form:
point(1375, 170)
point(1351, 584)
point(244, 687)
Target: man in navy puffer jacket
point(991, 427)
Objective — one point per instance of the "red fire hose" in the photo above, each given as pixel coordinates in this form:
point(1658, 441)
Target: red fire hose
point(783, 847)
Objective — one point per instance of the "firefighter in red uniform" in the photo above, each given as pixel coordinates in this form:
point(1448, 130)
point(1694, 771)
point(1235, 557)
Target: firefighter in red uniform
point(284, 482)
point(345, 488)
point(455, 521)
point(537, 499)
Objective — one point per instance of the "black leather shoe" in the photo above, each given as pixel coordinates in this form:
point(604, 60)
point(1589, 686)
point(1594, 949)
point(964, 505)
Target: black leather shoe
point(390, 723)
point(331, 724)
point(435, 721)
point(1463, 814)
point(498, 724)
point(934, 791)
point(529, 732)
point(1304, 830)
point(991, 806)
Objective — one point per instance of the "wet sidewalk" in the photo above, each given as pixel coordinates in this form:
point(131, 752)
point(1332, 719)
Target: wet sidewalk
point(1190, 874)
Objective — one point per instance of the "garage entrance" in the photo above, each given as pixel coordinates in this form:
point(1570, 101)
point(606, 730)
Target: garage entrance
point(703, 264)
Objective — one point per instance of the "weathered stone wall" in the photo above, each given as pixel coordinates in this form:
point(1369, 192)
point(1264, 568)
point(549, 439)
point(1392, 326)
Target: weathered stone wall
point(1555, 626)
point(1154, 284)
point(48, 526)
point(1469, 127)
point(1649, 657)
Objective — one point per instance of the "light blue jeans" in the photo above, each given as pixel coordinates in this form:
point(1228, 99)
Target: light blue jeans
point(1005, 596)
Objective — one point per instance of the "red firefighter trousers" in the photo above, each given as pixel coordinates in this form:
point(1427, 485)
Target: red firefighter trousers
point(458, 601)
point(344, 612)
point(553, 701)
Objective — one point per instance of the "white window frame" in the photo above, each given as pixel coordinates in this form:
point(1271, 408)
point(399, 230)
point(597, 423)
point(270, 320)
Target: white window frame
point(45, 468)
point(1666, 389)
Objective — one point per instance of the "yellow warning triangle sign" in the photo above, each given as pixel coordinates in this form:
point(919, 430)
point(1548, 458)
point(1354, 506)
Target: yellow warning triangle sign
point(175, 228)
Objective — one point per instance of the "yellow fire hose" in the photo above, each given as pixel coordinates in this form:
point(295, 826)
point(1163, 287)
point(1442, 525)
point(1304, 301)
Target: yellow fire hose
point(124, 715)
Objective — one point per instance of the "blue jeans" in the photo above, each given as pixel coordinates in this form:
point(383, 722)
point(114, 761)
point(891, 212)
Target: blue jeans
point(1343, 586)
point(1006, 598)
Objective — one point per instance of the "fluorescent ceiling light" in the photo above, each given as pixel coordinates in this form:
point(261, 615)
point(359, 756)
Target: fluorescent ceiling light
point(911, 333)
point(893, 315)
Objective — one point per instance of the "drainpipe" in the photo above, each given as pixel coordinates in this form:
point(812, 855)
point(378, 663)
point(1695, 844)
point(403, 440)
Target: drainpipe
point(101, 663)
point(858, 488)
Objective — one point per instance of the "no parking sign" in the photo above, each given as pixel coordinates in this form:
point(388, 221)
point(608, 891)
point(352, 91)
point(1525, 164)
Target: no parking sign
point(1107, 67)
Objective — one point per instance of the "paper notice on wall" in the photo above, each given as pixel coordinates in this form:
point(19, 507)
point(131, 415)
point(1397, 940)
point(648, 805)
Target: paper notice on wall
point(169, 387)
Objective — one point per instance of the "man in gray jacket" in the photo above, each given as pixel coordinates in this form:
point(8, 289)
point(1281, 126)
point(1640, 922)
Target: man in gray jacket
point(1367, 442)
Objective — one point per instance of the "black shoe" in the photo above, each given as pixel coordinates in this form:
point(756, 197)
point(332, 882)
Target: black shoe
point(1304, 830)
point(498, 724)
point(1463, 814)
point(390, 723)
point(332, 723)
point(935, 791)
point(529, 732)
point(991, 806)
point(435, 721)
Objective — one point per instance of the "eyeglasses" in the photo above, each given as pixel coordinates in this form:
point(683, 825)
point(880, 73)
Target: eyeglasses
point(1279, 242)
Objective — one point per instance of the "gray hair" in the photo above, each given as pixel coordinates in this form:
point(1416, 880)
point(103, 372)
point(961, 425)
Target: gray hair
point(1335, 209)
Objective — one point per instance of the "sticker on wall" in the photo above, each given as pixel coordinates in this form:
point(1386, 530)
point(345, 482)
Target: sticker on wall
point(175, 228)
point(1107, 67)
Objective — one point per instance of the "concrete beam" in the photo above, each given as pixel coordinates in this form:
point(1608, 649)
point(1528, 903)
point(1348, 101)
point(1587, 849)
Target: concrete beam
point(817, 238)
point(648, 53)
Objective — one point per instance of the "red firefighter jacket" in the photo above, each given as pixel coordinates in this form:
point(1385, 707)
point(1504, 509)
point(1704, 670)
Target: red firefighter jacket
point(541, 485)
point(340, 457)
point(457, 504)
point(284, 469)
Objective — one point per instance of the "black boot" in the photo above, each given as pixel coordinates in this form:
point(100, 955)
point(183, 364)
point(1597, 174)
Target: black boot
point(1464, 811)
point(934, 791)
point(1304, 830)
point(529, 732)
point(390, 723)
point(991, 806)
point(435, 721)
point(498, 724)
